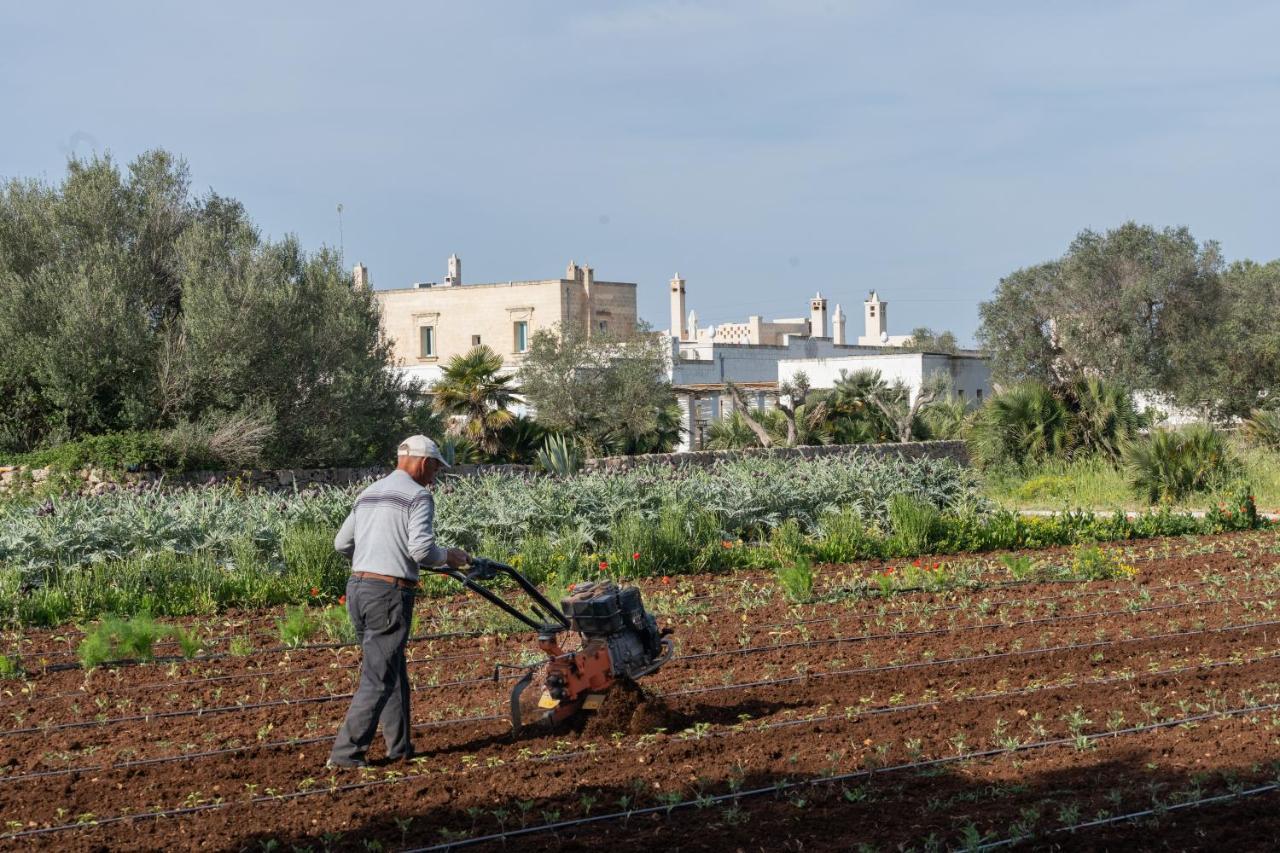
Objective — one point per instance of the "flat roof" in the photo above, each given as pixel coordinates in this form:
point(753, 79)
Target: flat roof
point(452, 287)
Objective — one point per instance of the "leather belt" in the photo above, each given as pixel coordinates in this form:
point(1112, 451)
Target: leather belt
point(400, 582)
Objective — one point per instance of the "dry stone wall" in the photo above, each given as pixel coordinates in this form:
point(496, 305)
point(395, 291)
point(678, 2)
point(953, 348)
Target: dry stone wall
point(94, 481)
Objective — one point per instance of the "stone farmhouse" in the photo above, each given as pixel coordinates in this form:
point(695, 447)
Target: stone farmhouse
point(431, 322)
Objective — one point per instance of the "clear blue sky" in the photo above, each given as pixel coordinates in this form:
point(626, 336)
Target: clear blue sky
point(763, 149)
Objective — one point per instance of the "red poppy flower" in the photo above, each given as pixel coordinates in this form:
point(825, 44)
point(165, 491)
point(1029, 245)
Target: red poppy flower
point(314, 592)
point(636, 555)
point(726, 543)
point(666, 579)
point(916, 563)
point(342, 599)
point(603, 565)
point(889, 570)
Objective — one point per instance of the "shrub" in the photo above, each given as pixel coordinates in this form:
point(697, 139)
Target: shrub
point(1093, 563)
point(1262, 429)
point(297, 627)
point(120, 639)
point(335, 622)
point(1170, 465)
point(1103, 417)
point(559, 456)
point(796, 579)
point(188, 641)
point(1025, 423)
point(240, 647)
point(843, 537)
point(915, 524)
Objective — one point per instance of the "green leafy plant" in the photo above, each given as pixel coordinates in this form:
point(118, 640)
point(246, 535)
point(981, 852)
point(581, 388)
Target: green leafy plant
point(915, 524)
point(120, 639)
point(796, 579)
point(188, 641)
point(560, 456)
point(240, 647)
point(1020, 566)
point(297, 626)
point(335, 623)
point(1093, 563)
point(1262, 428)
point(1169, 465)
point(11, 666)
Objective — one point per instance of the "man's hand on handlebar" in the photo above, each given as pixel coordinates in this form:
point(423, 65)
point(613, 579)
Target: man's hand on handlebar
point(457, 558)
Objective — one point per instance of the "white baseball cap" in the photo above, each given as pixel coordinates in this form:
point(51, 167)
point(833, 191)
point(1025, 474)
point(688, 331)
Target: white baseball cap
point(420, 445)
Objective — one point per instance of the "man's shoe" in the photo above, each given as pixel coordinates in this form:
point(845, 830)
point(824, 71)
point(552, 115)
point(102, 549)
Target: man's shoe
point(355, 764)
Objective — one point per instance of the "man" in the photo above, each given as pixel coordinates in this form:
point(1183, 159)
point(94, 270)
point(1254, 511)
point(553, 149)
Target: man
point(388, 535)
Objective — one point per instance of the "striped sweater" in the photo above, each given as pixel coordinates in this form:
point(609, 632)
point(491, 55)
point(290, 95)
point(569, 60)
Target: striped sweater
point(391, 529)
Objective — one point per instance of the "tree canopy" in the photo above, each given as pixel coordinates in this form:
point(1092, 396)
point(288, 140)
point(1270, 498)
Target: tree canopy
point(1151, 309)
point(609, 391)
point(126, 303)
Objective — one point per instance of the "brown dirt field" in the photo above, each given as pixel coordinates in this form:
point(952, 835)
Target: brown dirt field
point(927, 721)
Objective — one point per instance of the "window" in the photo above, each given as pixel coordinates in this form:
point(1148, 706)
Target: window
point(979, 395)
point(872, 309)
point(522, 336)
point(475, 340)
point(426, 341)
point(960, 393)
point(604, 325)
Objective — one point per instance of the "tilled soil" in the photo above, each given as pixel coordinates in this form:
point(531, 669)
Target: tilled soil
point(928, 720)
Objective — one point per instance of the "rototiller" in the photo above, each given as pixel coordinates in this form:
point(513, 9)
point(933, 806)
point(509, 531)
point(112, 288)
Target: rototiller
point(620, 640)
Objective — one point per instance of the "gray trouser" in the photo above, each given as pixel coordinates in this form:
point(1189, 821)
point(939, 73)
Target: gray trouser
point(381, 613)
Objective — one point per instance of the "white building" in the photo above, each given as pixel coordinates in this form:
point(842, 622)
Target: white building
point(758, 355)
point(969, 373)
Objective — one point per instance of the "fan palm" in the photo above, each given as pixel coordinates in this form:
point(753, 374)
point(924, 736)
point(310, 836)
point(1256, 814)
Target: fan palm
point(1025, 423)
point(476, 396)
point(1105, 417)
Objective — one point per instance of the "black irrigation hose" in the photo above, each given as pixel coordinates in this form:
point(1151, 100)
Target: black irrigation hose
point(333, 697)
point(259, 673)
point(552, 827)
point(702, 802)
point(1131, 816)
point(230, 750)
point(718, 688)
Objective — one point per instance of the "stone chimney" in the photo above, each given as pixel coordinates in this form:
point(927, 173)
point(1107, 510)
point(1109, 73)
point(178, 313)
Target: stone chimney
point(360, 277)
point(818, 316)
point(677, 307)
point(837, 326)
point(876, 319)
point(588, 288)
point(454, 278)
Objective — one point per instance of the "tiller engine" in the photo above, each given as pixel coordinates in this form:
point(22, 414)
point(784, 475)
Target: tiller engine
point(619, 640)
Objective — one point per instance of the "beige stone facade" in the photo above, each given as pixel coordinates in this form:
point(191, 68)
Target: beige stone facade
point(430, 323)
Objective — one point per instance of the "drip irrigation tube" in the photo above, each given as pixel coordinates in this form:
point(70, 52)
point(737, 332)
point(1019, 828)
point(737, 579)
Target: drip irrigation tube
point(477, 655)
point(333, 697)
point(866, 712)
point(1131, 816)
point(831, 780)
point(702, 801)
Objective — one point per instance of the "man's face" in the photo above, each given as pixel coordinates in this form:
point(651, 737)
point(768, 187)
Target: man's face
point(429, 469)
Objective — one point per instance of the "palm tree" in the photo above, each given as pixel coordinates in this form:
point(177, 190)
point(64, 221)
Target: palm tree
point(1105, 417)
point(1024, 423)
point(476, 398)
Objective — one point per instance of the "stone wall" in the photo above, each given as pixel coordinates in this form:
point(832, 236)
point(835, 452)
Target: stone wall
point(93, 481)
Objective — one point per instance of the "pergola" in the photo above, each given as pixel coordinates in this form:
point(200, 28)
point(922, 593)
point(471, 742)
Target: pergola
point(719, 401)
